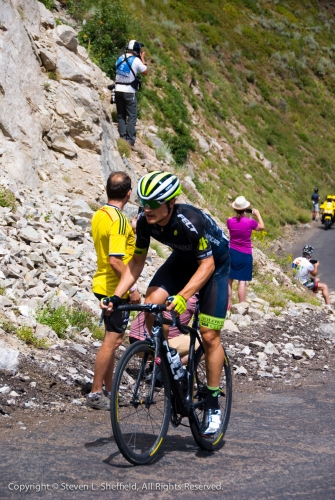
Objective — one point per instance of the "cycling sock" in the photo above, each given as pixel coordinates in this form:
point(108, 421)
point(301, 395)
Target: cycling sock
point(211, 400)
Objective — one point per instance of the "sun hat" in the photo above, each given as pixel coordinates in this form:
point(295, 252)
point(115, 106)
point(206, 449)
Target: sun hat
point(240, 203)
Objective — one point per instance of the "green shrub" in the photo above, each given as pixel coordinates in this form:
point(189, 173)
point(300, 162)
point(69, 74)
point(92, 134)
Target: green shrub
point(7, 198)
point(123, 147)
point(106, 33)
point(52, 75)
point(48, 3)
point(26, 334)
point(55, 318)
point(62, 317)
point(7, 325)
point(180, 144)
point(163, 153)
point(194, 49)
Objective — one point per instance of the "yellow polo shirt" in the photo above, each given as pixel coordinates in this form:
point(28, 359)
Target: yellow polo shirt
point(113, 236)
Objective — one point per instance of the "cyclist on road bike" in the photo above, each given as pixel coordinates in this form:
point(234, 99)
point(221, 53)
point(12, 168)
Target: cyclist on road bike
point(199, 261)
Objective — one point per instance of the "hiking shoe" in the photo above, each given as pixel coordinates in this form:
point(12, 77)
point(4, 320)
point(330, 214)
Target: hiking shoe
point(98, 402)
point(211, 422)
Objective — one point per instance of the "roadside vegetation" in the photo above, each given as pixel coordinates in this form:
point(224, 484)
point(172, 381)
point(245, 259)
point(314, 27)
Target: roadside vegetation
point(241, 73)
point(62, 317)
point(7, 198)
point(24, 333)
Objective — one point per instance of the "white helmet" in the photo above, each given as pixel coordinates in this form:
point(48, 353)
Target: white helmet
point(134, 46)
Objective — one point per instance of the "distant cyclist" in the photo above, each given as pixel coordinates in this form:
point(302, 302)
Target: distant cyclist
point(200, 261)
point(315, 200)
point(303, 266)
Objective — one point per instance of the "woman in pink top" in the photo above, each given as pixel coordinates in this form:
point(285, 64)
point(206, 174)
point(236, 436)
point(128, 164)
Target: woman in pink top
point(240, 229)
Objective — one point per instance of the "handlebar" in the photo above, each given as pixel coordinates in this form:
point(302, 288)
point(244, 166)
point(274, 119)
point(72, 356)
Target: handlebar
point(149, 308)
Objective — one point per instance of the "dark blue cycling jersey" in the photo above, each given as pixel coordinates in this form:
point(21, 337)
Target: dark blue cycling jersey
point(190, 233)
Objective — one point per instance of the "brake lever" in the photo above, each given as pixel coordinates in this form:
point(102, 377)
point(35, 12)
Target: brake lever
point(169, 300)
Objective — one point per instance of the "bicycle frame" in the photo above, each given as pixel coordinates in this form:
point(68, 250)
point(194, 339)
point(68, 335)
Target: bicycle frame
point(183, 397)
point(159, 346)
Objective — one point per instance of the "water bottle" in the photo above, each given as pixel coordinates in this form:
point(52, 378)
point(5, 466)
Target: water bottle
point(176, 365)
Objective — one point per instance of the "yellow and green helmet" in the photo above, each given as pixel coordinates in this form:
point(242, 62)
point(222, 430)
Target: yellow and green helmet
point(158, 186)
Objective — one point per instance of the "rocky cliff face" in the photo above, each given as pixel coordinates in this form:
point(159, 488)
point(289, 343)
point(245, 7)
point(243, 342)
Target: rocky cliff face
point(54, 105)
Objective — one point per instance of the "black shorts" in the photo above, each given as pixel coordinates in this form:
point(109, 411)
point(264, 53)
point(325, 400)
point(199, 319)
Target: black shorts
point(120, 318)
point(176, 272)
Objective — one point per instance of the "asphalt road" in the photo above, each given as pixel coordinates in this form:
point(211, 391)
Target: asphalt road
point(279, 445)
point(324, 245)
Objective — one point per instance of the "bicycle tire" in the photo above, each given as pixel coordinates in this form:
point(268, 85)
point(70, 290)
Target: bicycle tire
point(139, 426)
point(199, 393)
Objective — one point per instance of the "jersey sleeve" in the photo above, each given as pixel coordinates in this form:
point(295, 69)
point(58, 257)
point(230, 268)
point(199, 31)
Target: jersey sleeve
point(194, 225)
point(310, 267)
point(139, 66)
point(117, 237)
point(253, 224)
point(142, 236)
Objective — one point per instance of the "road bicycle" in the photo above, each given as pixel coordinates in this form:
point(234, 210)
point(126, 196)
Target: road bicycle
point(146, 397)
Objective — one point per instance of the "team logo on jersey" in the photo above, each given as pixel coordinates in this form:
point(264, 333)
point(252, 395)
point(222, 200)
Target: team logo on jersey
point(203, 244)
point(187, 223)
point(175, 232)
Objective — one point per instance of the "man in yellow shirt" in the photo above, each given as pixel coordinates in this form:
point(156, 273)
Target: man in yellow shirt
point(114, 244)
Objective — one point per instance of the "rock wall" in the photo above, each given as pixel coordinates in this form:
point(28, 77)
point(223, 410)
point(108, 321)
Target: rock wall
point(54, 104)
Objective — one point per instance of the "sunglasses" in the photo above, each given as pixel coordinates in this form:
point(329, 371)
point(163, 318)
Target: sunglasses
point(150, 203)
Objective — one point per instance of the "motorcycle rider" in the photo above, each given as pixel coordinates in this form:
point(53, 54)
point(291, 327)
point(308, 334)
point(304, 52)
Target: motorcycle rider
point(315, 199)
point(303, 266)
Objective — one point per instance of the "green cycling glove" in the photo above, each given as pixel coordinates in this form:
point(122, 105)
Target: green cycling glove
point(180, 304)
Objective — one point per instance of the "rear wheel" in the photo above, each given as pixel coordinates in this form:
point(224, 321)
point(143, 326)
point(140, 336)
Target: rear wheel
point(225, 400)
point(139, 422)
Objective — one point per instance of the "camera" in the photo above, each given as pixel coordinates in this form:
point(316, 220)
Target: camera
point(248, 210)
point(313, 261)
point(111, 87)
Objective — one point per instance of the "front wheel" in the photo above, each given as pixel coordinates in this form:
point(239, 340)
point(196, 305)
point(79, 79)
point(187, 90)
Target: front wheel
point(327, 224)
point(140, 422)
point(199, 395)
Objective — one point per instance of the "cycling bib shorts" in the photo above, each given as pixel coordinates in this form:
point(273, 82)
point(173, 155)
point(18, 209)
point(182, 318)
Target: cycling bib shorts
point(176, 272)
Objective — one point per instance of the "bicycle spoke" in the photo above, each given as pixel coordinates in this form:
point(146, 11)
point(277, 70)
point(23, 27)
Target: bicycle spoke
point(139, 422)
point(199, 396)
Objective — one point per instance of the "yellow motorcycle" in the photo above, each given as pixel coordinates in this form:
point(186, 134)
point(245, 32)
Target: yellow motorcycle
point(327, 209)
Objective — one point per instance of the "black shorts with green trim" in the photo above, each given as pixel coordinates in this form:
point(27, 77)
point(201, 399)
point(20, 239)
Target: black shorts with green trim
point(176, 272)
point(120, 318)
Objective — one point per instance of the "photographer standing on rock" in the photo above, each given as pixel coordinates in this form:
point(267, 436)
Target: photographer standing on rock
point(114, 243)
point(126, 84)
